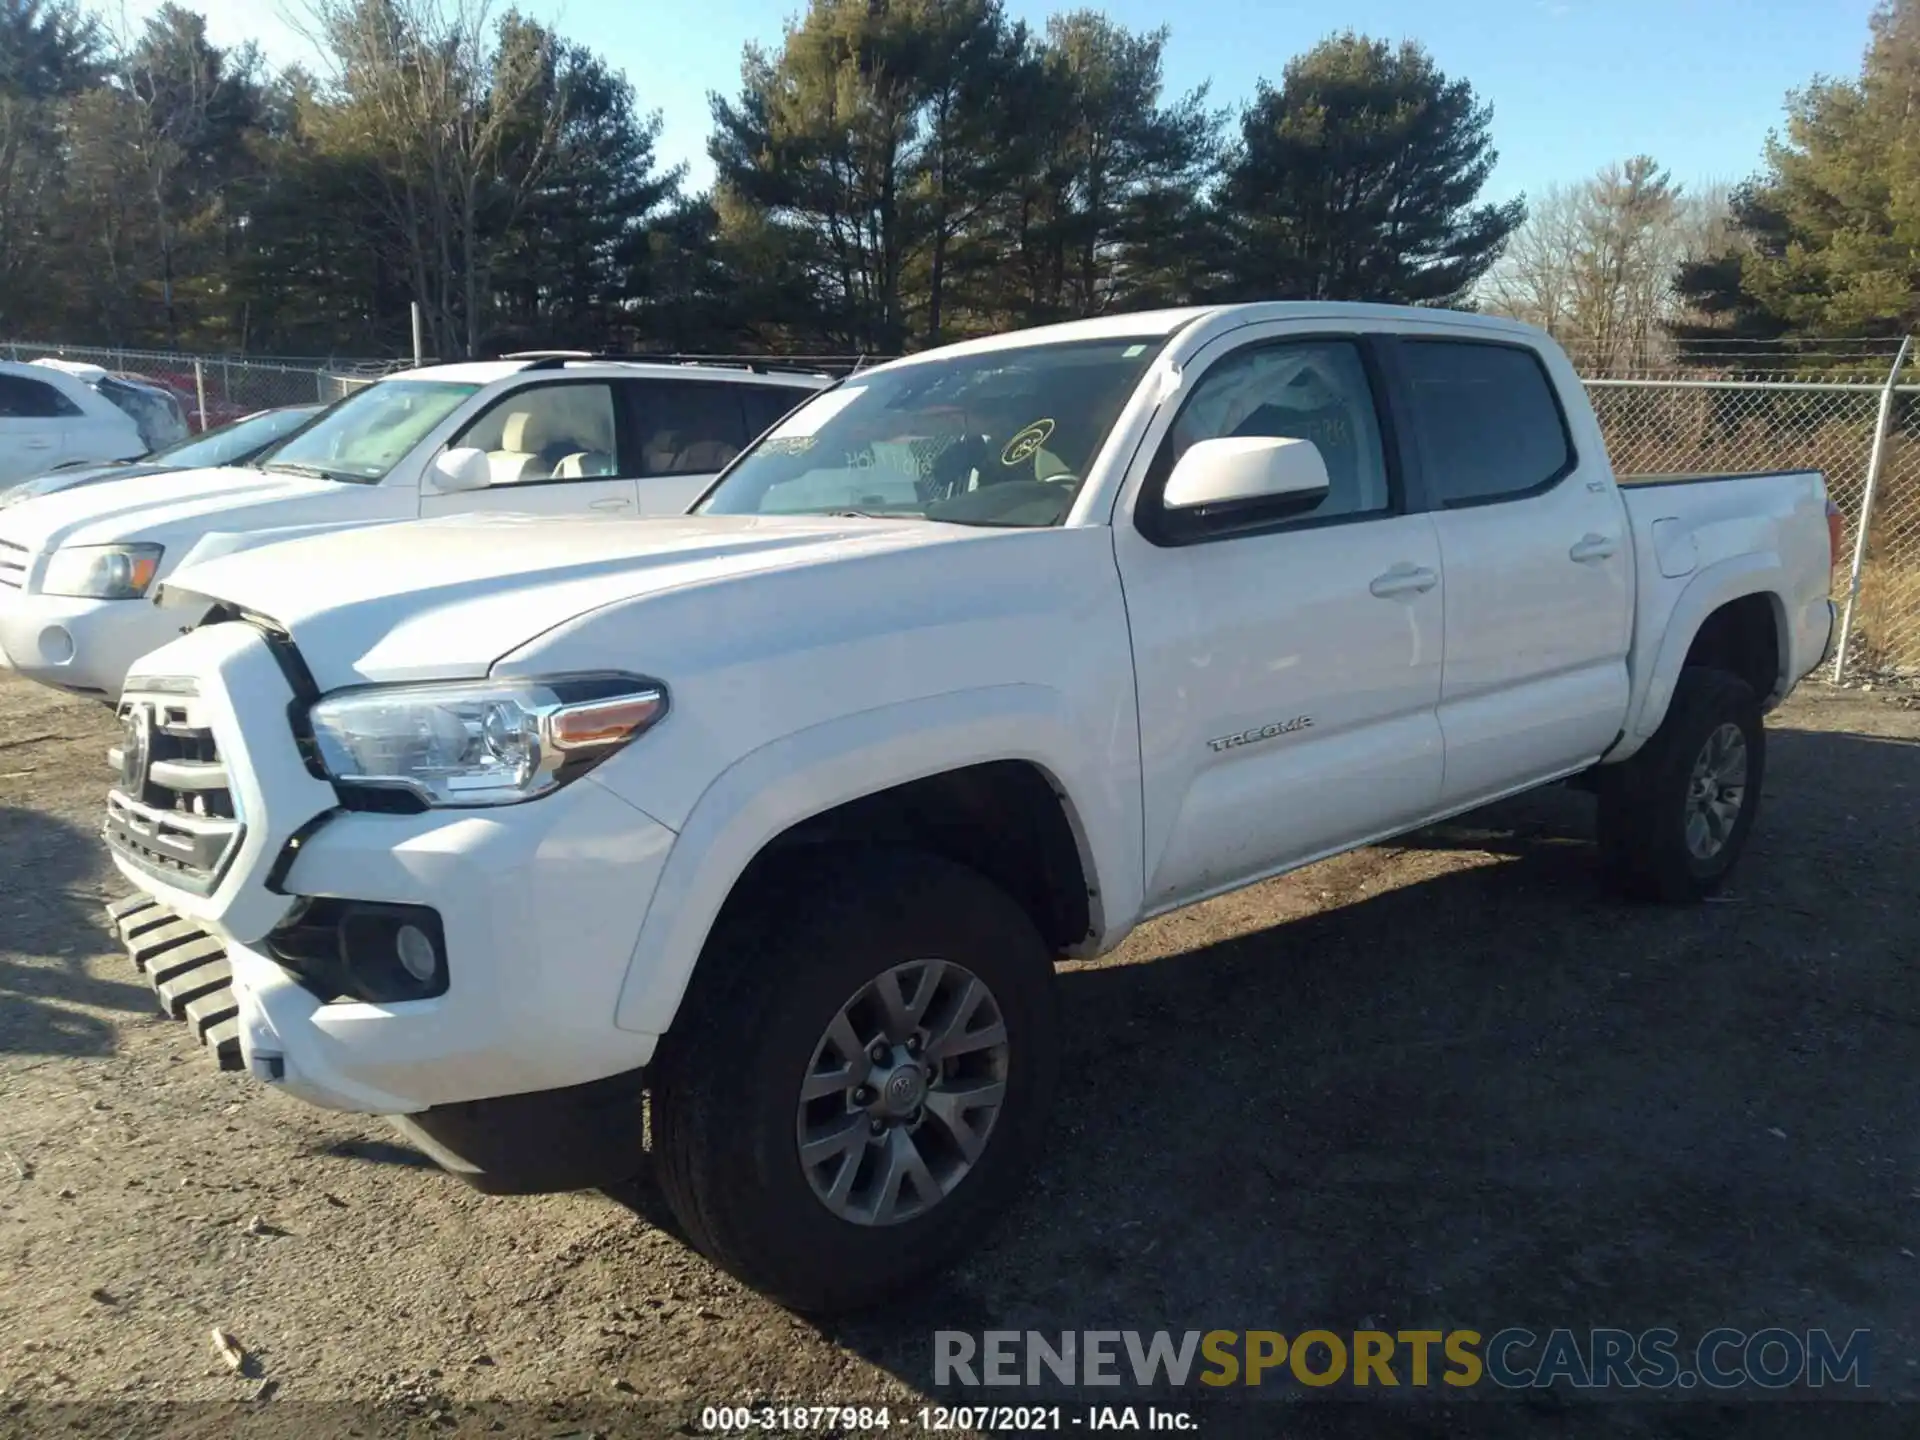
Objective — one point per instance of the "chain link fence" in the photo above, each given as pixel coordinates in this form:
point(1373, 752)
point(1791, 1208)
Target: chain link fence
point(1677, 427)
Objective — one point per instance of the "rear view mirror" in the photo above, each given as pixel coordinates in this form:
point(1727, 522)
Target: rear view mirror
point(464, 469)
point(1249, 467)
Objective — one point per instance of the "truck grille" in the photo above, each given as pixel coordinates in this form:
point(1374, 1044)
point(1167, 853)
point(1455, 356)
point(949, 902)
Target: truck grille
point(171, 811)
point(13, 564)
point(188, 969)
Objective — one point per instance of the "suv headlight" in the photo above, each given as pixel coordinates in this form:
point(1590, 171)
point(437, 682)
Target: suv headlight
point(481, 742)
point(101, 572)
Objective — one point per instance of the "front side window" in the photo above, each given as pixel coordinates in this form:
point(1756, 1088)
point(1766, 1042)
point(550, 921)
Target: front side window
point(1489, 424)
point(997, 437)
point(371, 431)
point(24, 399)
point(1302, 390)
point(563, 431)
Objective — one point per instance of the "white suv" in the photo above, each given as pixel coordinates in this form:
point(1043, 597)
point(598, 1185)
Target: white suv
point(552, 435)
point(50, 415)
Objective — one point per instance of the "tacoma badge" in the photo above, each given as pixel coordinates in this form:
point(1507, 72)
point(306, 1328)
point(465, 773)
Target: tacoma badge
point(1264, 732)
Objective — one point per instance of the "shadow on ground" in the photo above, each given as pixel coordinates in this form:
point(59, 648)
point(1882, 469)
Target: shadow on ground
point(1494, 1097)
point(50, 927)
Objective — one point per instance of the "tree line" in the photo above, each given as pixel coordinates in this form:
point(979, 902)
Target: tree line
point(891, 174)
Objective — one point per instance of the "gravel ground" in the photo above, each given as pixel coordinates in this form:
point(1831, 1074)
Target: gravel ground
point(1442, 1083)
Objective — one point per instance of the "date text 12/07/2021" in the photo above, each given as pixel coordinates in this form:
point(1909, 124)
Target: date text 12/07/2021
point(939, 1419)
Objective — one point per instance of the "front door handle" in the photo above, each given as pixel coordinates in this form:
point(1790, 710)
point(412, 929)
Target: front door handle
point(38, 443)
point(1593, 547)
point(1404, 579)
point(611, 503)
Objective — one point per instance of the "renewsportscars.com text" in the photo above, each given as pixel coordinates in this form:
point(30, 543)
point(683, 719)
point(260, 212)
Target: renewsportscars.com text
point(1514, 1358)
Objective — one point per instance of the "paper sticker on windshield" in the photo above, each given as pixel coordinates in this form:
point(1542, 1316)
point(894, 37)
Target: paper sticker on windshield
point(808, 419)
point(1022, 446)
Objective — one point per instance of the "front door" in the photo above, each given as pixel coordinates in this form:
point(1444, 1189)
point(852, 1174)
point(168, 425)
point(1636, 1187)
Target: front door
point(552, 449)
point(1288, 664)
point(1538, 564)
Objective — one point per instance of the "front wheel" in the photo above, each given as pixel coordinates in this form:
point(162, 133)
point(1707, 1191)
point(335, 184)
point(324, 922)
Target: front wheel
point(1675, 817)
point(859, 1076)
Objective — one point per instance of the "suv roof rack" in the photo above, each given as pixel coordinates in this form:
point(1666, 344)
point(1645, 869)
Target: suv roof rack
point(758, 364)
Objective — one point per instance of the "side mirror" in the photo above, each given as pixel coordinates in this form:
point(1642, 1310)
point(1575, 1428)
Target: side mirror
point(464, 469)
point(1237, 469)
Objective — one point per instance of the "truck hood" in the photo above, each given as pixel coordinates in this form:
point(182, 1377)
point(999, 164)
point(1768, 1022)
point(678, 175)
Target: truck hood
point(444, 599)
point(158, 507)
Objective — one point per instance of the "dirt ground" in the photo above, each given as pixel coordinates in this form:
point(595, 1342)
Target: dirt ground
point(1443, 1083)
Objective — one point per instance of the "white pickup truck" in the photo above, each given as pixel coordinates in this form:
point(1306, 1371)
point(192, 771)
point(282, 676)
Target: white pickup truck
point(550, 435)
point(780, 812)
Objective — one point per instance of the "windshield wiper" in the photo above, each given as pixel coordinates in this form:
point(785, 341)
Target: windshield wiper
point(317, 472)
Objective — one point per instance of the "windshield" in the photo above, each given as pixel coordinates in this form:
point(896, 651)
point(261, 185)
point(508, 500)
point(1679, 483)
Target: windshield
point(998, 438)
point(237, 441)
point(368, 433)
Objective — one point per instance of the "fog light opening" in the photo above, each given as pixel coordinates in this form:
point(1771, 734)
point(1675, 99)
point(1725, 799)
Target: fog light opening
point(56, 645)
point(415, 950)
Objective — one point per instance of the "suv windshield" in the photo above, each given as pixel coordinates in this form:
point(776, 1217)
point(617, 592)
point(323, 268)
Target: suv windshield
point(367, 434)
point(231, 443)
point(1003, 437)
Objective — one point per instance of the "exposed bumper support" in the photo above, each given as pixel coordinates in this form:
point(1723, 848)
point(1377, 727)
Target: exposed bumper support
point(187, 967)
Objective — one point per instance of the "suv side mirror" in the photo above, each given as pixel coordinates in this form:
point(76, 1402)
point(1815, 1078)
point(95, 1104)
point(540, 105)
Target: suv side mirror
point(463, 469)
point(1236, 469)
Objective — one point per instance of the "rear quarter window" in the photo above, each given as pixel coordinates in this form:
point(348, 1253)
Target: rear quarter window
point(1488, 421)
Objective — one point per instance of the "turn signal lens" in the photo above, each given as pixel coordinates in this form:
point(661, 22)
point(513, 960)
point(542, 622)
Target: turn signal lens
point(603, 722)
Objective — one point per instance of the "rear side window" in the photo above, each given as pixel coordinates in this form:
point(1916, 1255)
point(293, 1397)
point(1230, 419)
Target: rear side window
point(767, 405)
point(24, 399)
point(688, 427)
point(1489, 424)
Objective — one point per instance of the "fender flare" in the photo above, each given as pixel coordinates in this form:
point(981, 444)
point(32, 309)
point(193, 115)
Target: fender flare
point(1720, 584)
point(811, 771)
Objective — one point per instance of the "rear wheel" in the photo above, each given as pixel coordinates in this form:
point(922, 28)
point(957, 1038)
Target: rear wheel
point(858, 1078)
point(1675, 818)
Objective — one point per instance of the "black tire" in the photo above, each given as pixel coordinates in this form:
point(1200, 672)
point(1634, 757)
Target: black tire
point(780, 964)
point(1644, 801)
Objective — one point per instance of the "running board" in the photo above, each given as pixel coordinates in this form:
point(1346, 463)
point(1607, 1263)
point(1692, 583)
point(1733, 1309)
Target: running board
point(187, 967)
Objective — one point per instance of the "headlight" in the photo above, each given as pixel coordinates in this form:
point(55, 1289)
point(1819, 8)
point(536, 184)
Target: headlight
point(483, 742)
point(102, 572)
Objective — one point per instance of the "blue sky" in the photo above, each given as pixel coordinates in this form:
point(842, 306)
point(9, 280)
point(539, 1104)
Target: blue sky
point(1573, 83)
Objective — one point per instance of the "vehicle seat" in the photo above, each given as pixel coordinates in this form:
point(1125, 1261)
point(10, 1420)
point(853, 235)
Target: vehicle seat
point(705, 455)
point(524, 436)
point(584, 465)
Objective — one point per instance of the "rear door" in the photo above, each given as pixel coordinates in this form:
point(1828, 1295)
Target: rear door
point(1288, 664)
point(1538, 566)
point(34, 422)
point(556, 448)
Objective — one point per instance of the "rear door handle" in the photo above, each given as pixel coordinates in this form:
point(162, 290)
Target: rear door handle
point(1404, 579)
point(611, 503)
point(37, 443)
point(1593, 547)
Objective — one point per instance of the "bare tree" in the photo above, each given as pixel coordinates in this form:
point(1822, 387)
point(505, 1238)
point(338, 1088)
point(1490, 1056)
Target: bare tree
point(458, 116)
point(1594, 265)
